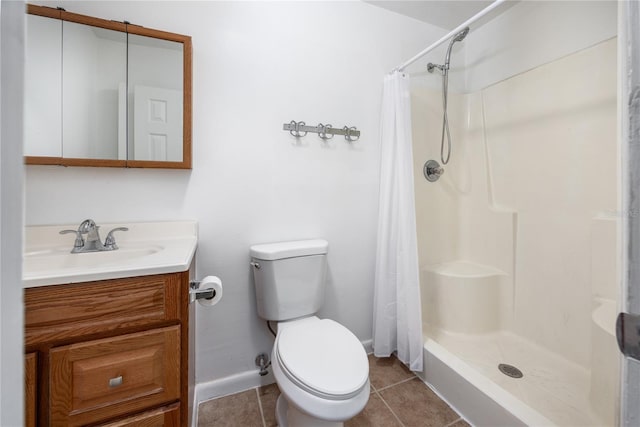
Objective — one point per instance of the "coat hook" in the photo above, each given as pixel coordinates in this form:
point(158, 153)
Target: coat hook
point(351, 134)
point(292, 127)
point(300, 125)
point(323, 131)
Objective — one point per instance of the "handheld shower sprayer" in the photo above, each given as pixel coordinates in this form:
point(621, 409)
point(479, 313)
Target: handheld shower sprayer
point(445, 67)
point(444, 70)
point(457, 38)
point(461, 35)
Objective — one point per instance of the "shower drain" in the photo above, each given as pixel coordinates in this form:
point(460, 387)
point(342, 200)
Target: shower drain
point(510, 370)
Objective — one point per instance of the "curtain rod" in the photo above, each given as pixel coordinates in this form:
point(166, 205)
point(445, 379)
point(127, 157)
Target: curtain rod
point(453, 32)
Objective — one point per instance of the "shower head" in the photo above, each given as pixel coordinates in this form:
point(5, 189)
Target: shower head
point(461, 35)
point(457, 38)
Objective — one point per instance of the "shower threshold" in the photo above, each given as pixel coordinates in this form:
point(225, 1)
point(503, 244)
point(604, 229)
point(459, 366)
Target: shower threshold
point(463, 369)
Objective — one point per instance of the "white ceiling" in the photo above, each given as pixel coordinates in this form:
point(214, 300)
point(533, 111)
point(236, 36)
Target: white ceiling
point(446, 14)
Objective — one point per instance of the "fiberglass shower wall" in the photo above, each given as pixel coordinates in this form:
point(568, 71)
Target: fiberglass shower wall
point(521, 232)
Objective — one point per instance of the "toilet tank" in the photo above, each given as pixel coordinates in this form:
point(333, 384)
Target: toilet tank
point(289, 278)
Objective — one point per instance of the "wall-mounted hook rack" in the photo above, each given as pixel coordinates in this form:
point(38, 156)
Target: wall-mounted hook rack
point(300, 129)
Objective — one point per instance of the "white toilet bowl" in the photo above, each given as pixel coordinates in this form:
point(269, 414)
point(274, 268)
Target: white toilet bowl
point(320, 366)
point(322, 371)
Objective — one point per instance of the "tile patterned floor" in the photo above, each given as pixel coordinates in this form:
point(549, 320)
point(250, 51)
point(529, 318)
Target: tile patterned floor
point(398, 399)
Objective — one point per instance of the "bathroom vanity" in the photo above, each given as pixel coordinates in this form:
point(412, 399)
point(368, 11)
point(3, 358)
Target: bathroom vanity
point(107, 340)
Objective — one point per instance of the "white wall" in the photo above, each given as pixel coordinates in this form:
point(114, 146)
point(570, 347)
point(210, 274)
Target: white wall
point(257, 66)
point(11, 213)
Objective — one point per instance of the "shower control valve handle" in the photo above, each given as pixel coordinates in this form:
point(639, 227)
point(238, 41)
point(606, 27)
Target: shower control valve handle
point(437, 171)
point(432, 170)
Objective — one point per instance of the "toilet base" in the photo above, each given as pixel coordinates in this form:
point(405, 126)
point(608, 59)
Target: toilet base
point(289, 416)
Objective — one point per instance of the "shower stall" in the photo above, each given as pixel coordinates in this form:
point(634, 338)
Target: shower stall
point(519, 239)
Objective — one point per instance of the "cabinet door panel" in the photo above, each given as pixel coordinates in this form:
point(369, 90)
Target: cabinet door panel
point(30, 389)
point(102, 379)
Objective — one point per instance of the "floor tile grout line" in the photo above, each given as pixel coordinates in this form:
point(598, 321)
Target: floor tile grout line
point(264, 422)
point(395, 384)
point(389, 408)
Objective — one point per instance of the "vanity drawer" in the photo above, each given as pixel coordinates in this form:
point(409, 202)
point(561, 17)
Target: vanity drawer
point(103, 379)
point(62, 312)
point(167, 416)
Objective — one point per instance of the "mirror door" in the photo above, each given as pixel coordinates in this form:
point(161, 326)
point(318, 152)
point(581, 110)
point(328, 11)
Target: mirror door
point(94, 69)
point(43, 91)
point(155, 94)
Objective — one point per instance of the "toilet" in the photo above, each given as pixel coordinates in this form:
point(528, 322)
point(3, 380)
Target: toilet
point(320, 366)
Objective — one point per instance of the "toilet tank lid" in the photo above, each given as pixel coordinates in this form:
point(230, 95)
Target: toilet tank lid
point(280, 250)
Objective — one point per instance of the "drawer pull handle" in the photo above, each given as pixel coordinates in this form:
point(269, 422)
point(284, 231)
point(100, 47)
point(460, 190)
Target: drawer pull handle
point(115, 382)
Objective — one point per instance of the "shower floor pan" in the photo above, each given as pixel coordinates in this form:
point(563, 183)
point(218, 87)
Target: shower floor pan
point(463, 369)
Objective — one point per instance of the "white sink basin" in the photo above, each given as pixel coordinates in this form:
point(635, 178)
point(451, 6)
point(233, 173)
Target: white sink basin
point(147, 248)
point(60, 258)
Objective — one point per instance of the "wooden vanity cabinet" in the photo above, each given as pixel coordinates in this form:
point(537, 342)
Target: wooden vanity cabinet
point(112, 352)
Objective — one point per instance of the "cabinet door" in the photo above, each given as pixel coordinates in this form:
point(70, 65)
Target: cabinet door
point(103, 379)
point(30, 393)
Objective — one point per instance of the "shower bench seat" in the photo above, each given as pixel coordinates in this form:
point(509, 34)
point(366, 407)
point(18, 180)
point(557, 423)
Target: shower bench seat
point(462, 296)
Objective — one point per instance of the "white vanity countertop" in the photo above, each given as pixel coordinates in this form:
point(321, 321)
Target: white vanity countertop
point(147, 248)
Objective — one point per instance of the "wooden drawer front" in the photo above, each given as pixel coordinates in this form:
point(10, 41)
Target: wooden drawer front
point(67, 311)
point(98, 380)
point(168, 416)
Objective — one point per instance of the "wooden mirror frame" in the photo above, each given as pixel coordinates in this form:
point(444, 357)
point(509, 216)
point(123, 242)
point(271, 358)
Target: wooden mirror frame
point(124, 27)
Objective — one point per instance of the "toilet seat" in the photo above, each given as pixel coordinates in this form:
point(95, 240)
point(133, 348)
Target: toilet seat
point(322, 357)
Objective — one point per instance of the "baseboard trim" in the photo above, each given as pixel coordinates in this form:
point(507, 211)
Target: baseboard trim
point(228, 385)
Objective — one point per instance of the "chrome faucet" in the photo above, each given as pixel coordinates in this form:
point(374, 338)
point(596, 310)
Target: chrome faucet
point(92, 242)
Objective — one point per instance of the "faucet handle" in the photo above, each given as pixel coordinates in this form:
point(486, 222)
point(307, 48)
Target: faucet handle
point(110, 241)
point(79, 243)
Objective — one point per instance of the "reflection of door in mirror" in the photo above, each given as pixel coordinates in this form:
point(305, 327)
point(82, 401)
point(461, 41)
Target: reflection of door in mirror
point(43, 94)
point(94, 66)
point(155, 99)
point(157, 124)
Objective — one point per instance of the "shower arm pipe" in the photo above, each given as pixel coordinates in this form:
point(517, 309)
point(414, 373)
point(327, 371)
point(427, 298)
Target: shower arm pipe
point(453, 32)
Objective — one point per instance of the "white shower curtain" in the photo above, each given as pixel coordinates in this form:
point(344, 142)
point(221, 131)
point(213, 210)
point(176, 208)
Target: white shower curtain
point(397, 321)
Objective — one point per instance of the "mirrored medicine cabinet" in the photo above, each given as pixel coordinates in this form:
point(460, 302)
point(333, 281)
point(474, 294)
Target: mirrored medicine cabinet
point(105, 93)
